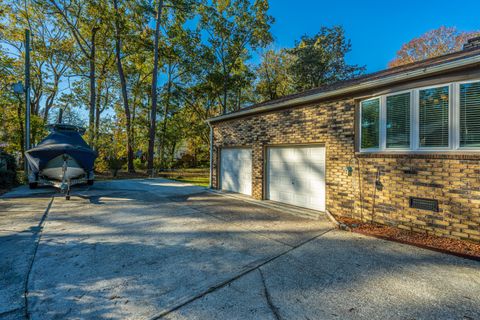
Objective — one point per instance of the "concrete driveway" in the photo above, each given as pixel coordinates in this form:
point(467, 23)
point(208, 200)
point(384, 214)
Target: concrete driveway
point(151, 249)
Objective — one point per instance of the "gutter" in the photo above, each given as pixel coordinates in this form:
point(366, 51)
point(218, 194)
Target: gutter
point(361, 86)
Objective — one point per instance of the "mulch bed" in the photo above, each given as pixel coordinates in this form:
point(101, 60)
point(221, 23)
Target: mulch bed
point(462, 248)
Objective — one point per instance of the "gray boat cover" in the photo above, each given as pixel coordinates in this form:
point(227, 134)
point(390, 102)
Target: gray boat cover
point(63, 139)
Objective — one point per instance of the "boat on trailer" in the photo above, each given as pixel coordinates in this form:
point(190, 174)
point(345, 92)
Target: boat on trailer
point(62, 159)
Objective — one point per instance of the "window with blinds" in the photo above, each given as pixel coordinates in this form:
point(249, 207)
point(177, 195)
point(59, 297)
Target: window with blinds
point(440, 119)
point(433, 117)
point(470, 114)
point(370, 114)
point(398, 121)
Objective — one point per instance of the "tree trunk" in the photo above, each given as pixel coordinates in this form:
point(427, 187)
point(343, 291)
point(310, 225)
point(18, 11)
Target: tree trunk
point(97, 114)
point(225, 93)
point(134, 112)
point(123, 83)
point(51, 97)
point(172, 153)
point(91, 116)
point(22, 135)
point(153, 117)
point(165, 120)
point(48, 106)
point(60, 116)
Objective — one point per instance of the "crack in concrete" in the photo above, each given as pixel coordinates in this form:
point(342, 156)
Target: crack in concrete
point(38, 235)
point(268, 297)
point(249, 268)
point(236, 277)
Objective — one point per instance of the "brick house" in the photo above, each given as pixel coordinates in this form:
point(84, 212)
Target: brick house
point(399, 147)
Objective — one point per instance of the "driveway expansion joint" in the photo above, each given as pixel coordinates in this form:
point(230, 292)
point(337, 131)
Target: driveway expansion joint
point(236, 277)
point(89, 254)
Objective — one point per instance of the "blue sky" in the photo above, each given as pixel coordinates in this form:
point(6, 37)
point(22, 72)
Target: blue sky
point(377, 29)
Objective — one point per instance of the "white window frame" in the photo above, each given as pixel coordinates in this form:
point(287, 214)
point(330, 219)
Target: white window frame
point(384, 121)
point(453, 121)
point(380, 126)
point(457, 123)
point(450, 118)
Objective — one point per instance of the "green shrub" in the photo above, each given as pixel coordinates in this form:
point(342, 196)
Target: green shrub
point(8, 170)
point(115, 164)
point(139, 164)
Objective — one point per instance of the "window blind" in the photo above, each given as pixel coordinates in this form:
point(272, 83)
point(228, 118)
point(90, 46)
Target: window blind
point(370, 114)
point(470, 114)
point(433, 117)
point(398, 121)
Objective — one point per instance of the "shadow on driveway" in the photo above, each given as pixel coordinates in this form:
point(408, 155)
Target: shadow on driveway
point(141, 251)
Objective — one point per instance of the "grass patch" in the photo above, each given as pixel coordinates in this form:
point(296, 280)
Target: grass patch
point(199, 181)
point(196, 176)
point(199, 177)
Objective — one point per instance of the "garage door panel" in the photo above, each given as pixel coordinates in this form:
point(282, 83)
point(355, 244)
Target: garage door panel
point(280, 180)
point(280, 167)
point(281, 155)
point(285, 197)
point(302, 200)
point(316, 201)
point(296, 175)
point(236, 170)
point(302, 154)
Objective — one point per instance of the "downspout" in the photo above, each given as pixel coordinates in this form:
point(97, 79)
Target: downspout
point(211, 155)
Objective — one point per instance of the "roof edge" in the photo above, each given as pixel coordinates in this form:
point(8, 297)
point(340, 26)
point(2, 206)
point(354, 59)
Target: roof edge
point(368, 84)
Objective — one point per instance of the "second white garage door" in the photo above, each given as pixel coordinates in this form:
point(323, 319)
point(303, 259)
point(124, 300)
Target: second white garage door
point(236, 170)
point(296, 175)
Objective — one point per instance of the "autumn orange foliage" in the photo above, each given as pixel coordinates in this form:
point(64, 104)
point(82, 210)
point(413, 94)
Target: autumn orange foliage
point(431, 44)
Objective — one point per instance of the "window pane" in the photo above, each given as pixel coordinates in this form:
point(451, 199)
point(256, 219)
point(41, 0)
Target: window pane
point(470, 115)
point(433, 117)
point(398, 121)
point(370, 123)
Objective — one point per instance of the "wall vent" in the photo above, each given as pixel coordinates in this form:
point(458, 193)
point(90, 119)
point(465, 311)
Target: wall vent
point(424, 204)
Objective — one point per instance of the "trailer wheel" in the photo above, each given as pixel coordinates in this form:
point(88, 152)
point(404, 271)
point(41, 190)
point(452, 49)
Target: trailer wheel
point(90, 182)
point(33, 185)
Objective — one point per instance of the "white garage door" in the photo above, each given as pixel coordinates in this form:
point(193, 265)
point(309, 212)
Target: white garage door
point(236, 170)
point(296, 175)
